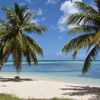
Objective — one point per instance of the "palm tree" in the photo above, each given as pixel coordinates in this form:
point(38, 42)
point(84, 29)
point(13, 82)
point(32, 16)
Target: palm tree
point(87, 26)
point(15, 39)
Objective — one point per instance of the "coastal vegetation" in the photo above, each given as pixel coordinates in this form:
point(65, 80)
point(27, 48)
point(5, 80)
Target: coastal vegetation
point(86, 24)
point(15, 36)
point(10, 97)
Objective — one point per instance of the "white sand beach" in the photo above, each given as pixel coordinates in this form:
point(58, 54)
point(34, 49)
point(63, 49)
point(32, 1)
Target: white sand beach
point(37, 88)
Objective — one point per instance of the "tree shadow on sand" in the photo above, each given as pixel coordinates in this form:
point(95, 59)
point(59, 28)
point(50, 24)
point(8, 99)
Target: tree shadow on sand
point(82, 90)
point(15, 79)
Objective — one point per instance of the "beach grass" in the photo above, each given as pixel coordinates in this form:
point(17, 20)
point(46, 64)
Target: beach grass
point(8, 97)
point(52, 99)
point(11, 97)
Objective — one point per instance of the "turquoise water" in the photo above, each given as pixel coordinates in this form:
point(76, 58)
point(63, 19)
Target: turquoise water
point(67, 71)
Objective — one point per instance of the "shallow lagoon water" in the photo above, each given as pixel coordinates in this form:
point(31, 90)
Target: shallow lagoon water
point(66, 71)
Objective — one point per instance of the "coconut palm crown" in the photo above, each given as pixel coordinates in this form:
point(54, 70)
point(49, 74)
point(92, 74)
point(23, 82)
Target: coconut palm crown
point(87, 27)
point(15, 39)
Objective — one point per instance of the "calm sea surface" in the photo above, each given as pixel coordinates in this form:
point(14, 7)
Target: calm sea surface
point(67, 71)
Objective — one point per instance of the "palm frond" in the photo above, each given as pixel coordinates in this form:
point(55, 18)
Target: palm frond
point(78, 42)
point(26, 54)
point(82, 18)
point(34, 28)
point(3, 30)
point(33, 56)
point(97, 2)
point(85, 8)
point(17, 55)
point(96, 39)
point(6, 47)
point(91, 56)
point(5, 51)
point(83, 29)
point(11, 15)
point(36, 47)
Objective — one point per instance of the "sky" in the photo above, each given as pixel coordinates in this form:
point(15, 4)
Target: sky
point(52, 14)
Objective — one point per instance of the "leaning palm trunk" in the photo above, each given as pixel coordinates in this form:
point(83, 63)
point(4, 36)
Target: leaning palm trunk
point(87, 23)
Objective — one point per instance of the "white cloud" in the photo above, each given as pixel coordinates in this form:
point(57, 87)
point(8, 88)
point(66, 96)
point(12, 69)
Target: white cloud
point(51, 1)
point(34, 21)
point(67, 8)
point(77, 0)
point(39, 12)
point(71, 26)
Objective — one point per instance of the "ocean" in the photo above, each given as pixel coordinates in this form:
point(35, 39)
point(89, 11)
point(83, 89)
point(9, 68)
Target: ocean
point(65, 71)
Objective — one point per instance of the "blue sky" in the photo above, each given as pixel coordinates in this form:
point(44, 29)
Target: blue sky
point(52, 14)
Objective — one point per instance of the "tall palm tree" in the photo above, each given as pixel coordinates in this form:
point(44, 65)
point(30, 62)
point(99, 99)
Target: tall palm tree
point(15, 39)
point(87, 26)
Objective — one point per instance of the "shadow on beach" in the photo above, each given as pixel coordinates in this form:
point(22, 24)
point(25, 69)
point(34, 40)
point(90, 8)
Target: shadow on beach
point(14, 79)
point(83, 90)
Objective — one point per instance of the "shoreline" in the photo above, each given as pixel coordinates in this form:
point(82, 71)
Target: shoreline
point(23, 75)
point(42, 88)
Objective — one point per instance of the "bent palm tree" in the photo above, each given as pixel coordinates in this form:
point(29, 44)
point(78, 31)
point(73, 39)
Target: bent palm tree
point(87, 24)
point(14, 38)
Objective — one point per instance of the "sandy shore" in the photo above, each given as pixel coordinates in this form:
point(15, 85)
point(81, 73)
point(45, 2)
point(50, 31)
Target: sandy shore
point(37, 88)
